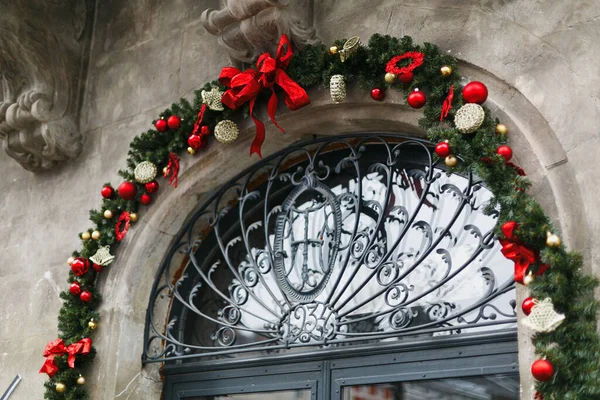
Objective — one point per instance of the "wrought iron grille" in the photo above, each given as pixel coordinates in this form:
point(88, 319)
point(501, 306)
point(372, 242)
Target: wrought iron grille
point(337, 241)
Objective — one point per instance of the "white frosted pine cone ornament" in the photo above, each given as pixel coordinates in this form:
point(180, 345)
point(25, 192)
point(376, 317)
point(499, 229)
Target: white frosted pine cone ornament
point(226, 131)
point(469, 118)
point(337, 88)
point(145, 172)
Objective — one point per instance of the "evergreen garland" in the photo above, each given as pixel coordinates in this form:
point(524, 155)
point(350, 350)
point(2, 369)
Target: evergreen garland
point(573, 348)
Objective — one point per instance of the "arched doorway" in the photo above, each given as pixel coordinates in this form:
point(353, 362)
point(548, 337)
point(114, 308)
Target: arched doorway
point(338, 266)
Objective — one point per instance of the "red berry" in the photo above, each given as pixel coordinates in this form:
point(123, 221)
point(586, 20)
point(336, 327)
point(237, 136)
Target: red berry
point(505, 152)
point(151, 187)
point(416, 99)
point(377, 94)
point(145, 199)
point(75, 289)
point(107, 192)
point(80, 266)
point(442, 149)
point(173, 122)
point(406, 77)
point(127, 190)
point(161, 125)
point(196, 142)
point(475, 92)
point(527, 305)
point(97, 267)
point(85, 296)
point(204, 130)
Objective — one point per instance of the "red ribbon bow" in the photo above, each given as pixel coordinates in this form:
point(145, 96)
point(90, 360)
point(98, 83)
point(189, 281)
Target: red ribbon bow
point(58, 348)
point(246, 86)
point(447, 105)
point(517, 252)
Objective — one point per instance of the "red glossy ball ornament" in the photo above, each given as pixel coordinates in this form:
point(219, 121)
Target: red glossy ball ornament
point(406, 77)
point(205, 130)
point(127, 190)
point(145, 199)
point(196, 142)
point(161, 125)
point(174, 122)
point(442, 149)
point(75, 289)
point(542, 370)
point(475, 92)
point(85, 296)
point(527, 305)
point(80, 266)
point(152, 187)
point(416, 99)
point(505, 152)
point(107, 192)
point(97, 267)
point(377, 94)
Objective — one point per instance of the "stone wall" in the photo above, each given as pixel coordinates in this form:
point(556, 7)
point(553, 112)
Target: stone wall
point(539, 60)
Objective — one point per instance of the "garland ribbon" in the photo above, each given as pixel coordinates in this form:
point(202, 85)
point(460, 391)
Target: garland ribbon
point(58, 348)
point(173, 169)
point(199, 119)
point(517, 252)
point(246, 86)
point(417, 60)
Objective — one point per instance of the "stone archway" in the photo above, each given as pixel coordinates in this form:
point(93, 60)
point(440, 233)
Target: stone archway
point(127, 288)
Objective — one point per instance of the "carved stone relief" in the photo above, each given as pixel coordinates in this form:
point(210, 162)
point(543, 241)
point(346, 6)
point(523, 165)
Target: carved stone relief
point(247, 28)
point(41, 51)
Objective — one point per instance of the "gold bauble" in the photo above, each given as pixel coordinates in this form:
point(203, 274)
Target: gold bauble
point(333, 50)
point(61, 387)
point(165, 171)
point(191, 150)
point(528, 279)
point(133, 217)
point(552, 240)
point(390, 78)
point(96, 235)
point(501, 129)
point(451, 161)
point(70, 260)
point(85, 236)
point(446, 70)
point(108, 214)
point(81, 380)
point(92, 324)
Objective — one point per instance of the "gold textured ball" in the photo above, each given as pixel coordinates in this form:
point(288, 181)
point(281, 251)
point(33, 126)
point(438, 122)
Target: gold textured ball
point(226, 131)
point(81, 380)
point(528, 279)
point(446, 70)
point(552, 240)
point(333, 50)
point(501, 129)
point(191, 150)
point(61, 387)
point(108, 214)
point(96, 235)
point(133, 217)
point(390, 78)
point(70, 260)
point(451, 161)
point(92, 325)
point(85, 236)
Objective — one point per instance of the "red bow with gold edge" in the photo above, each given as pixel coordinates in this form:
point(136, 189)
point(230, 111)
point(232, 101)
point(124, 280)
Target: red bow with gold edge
point(246, 86)
point(515, 251)
point(58, 348)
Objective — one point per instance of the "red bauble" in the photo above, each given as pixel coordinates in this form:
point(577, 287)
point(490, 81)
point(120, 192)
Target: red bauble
point(542, 370)
point(75, 289)
point(204, 130)
point(85, 296)
point(127, 190)
point(416, 99)
point(80, 266)
point(377, 94)
point(196, 142)
point(475, 92)
point(527, 305)
point(442, 149)
point(151, 187)
point(406, 77)
point(107, 192)
point(505, 152)
point(97, 267)
point(145, 199)
point(161, 125)
point(174, 122)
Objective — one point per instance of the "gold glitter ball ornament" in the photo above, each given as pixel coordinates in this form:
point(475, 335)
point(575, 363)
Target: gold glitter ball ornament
point(61, 387)
point(133, 217)
point(191, 150)
point(81, 380)
point(226, 131)
point(96, 235)
point(552, 240)
point(501, 129)
point(446, 70)
point(390, 78)
point(103, 256)
point(543, 318)
point(212, 99)
point(85, 236)
point(469, 118)
point(70, 260)
point(528, 280)
point(337, 88)
point(145, 172)
point(92, 324)
point(108, 214)
point(333, 50)
point(451, 161)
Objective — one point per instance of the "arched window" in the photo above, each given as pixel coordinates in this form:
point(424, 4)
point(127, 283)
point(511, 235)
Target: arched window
point(356, 248)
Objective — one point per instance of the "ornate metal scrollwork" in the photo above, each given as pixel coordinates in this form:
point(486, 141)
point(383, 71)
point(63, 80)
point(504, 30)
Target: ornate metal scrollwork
point(336, 241)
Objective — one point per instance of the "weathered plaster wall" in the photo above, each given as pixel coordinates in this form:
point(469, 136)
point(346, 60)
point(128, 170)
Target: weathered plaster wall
point(540, 57)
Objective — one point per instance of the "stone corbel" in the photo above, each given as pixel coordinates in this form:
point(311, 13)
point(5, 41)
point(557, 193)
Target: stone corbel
point(248, 28)
point(40, 62)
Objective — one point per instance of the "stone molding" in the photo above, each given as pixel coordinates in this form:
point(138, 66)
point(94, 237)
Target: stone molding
point(248, 28)
point(41, 51)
